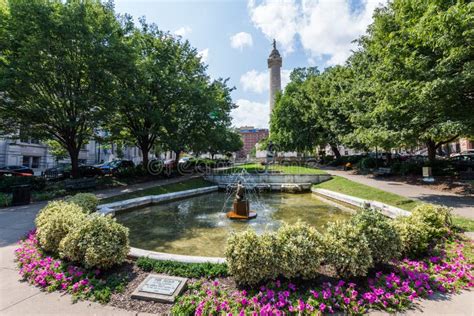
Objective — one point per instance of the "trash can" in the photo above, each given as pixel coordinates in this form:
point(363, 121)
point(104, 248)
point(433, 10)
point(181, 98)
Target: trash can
point(21, 195)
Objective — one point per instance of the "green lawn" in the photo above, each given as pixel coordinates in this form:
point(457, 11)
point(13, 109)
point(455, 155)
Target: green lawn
point(342, 185)
point(167, 188)
point(256, 167)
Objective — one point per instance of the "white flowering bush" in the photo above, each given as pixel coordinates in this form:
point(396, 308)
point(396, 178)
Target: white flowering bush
point(87, 201)
point(99, 242)
point(347, 249)
point(301, 251)
point(252, 258)
point(426, 224)
point(382, 236)
point(55, 221)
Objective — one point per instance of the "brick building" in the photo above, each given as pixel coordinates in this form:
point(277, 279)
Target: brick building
point(250, 137)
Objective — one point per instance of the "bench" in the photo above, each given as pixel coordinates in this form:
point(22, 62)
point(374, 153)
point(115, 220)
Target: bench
point(383, 172)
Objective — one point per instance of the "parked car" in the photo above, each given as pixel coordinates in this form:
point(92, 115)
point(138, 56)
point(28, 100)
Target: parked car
point(114, 166)
point(87, 171)
point(62, 171)
point(462, 162)
point(7, 173)
point(469, 152)
point(18, 169)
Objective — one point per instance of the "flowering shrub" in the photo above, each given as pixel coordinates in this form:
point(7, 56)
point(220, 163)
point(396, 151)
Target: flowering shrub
point(55, 221)
point(252, 258)
point(98, 242)
point(347, 249)
point(426, 224)
point(447, 270)
point(384, 241)
point(56, 275)
point(87, 201)
point(301, 251)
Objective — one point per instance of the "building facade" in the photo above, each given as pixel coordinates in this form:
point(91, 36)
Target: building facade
point(250, 137)
point(37, 155)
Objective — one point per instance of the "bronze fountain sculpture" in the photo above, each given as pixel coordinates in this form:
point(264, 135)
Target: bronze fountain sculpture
point(240, 207)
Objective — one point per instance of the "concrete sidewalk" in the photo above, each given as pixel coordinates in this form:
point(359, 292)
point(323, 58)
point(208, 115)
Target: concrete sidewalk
point(462, 205)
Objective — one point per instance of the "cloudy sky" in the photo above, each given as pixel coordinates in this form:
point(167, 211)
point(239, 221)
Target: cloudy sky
point(234, 38)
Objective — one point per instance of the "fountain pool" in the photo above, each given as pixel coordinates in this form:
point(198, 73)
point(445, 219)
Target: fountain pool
point(198, 225)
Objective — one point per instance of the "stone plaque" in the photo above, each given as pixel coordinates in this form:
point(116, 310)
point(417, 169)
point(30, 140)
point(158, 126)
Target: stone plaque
point(161, 288)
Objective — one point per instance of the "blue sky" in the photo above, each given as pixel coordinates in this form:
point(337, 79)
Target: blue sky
point(234, 38)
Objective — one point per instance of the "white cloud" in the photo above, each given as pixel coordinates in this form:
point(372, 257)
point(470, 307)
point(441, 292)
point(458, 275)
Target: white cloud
point(183, 31)
point(240, 40)
point(324, 27)
point(277, 20)
point(204, 54)
point(258, 82)
point(251, 113)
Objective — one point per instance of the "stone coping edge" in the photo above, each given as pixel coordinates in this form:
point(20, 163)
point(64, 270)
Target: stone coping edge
point(112, 208)
point(138, 253)
point(387, 210)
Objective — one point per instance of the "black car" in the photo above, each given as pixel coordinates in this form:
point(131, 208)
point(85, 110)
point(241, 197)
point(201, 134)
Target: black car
point(115, 166)
point(86, 171)
point(462, 162)
point(65, 172)
point(59, 172)
point(18, 169)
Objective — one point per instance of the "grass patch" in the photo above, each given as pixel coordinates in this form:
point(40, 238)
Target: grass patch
point(161, 189)
point(345, 186)
point(188, 270)
point(463, 223)
point(258, 168)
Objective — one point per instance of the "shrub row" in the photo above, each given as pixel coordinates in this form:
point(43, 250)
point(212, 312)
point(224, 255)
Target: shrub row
point(351, 247)
point(70, 231)
point(36, 183)
point(188, 270)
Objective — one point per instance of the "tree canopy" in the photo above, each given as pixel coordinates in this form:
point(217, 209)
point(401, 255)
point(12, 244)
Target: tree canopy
point(410, 82)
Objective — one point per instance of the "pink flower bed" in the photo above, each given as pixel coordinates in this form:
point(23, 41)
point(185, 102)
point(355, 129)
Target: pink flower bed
point(447, 272)
point(50, 273)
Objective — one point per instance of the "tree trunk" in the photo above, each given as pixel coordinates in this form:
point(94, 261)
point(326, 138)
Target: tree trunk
point(335, 150)
point(145, 159)
point(431, 145)
point(74, 155)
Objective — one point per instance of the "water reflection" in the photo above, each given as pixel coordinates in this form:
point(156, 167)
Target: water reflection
point(199, 226)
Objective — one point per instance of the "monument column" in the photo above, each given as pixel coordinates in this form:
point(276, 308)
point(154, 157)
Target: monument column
point(274, 64)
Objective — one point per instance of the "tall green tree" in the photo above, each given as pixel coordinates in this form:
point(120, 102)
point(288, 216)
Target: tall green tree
point(416, 72)
point(160, 69)
point(293, 124)
point(203, 109)
point(58, 67)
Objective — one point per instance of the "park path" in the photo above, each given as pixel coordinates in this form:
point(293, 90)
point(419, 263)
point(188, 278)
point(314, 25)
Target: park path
point(462, 205)
point(18, 298)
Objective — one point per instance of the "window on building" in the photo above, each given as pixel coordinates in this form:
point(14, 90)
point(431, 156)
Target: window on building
point(35, 162)
point(31, 161)
point(26, 161)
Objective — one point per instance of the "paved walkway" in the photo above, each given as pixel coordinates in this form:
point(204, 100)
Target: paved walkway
point(19, 298)
point(462, 205)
